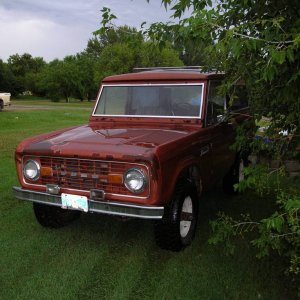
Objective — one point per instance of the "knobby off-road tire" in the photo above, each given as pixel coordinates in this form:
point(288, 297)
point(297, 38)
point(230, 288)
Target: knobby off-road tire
point(235, 174)
point(54, 217)
point(177, 228)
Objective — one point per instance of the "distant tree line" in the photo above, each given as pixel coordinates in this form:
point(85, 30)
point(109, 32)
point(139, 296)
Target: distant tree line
point(114, 51)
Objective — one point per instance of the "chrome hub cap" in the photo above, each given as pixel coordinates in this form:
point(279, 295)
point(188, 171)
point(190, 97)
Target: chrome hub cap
point(186, 216)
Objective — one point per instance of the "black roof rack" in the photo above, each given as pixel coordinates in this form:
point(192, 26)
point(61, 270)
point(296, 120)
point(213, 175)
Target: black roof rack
point(185, 69)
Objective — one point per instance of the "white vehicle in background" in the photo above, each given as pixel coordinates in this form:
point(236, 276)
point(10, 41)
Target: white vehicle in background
point(4, 100)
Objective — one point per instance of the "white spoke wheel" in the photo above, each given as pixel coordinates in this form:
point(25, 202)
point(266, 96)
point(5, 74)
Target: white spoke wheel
point(177, 228)
point(186, 216)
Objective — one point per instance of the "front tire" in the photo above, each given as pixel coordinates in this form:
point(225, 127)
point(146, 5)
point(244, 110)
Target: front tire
point(177, 228)
point(54, 217)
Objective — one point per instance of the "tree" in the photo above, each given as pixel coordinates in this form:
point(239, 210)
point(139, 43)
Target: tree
point(48, 81)
point(120, 58)
point(153, 56)
point(85, 87)
point(8, 81)
point(58, 79)
point(115, 58)
point(119, 35)
point(25, 67)
point(119, 50)
point(72, 76)
point(22, 64)
point(116, 50)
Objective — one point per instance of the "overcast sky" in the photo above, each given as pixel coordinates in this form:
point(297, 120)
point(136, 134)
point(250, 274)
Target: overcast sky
point(56, 28)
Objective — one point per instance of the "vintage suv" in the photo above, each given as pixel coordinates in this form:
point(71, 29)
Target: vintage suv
point(155, 141)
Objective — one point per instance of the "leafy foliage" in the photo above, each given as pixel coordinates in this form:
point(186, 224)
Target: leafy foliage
point(123, 48)
point(21, 71)
point(279, 232)
point(8, 81)
point(115, 58)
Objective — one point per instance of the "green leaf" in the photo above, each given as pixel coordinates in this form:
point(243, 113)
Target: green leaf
point(275, 222)
point(292, 204)
point(278, 56)
point(290, 55)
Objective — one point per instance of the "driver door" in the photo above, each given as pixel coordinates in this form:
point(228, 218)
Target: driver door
point(220, 130)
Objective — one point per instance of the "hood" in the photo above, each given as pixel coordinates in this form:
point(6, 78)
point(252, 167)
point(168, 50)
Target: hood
point(114, 143)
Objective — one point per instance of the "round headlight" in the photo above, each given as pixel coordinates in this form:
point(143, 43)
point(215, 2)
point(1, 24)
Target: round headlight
point(135, 180)
point(31, 170)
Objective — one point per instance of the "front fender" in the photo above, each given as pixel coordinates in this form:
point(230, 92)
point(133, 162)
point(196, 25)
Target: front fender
point(173, 171)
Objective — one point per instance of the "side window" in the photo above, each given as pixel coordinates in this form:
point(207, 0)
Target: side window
point(216, 104)
point(239, 98)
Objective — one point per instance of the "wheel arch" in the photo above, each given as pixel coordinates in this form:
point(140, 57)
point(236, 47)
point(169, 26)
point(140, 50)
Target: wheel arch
point(192, 174)
point(189, 171)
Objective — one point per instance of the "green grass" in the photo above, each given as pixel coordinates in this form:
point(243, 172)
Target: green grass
point(99, 257)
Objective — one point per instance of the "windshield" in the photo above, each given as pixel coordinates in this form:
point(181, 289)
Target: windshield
point(180, 100)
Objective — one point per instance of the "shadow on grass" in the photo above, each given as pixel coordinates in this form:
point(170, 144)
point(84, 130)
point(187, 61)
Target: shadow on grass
point(133, 267)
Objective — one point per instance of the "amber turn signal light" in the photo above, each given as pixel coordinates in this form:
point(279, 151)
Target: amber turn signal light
point(115, 178)
point(46, 172)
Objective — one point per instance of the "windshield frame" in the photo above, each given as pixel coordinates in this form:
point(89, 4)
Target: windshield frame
point(149, 116)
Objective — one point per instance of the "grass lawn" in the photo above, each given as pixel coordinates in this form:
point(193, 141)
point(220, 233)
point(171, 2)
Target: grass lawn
point(99, 257)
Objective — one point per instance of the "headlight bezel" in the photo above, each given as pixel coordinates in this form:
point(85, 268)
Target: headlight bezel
point(143, 176)
point(37, 170)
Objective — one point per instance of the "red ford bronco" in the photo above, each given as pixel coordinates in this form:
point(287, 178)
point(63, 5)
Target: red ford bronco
point(155, 141)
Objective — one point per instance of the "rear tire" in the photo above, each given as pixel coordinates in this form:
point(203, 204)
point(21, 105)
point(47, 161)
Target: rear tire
point(177, 228)
point(235, 175)
point(54, 217)
point(1, 105)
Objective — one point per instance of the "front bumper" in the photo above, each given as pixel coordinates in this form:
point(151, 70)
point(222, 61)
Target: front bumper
point(103, 207)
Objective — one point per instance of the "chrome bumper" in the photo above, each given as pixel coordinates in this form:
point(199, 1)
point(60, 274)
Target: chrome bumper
point(111, 208)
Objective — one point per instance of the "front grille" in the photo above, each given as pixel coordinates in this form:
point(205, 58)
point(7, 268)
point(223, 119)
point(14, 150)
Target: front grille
point(83, 174)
